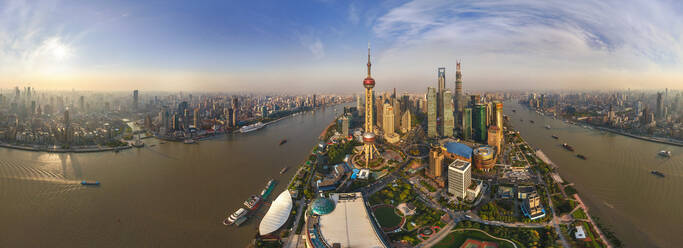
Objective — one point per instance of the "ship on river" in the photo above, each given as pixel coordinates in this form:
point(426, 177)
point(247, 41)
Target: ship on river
point(568, 147)
point(252, 127)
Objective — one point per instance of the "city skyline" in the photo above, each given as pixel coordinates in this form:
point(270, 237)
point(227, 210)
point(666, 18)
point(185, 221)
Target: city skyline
point(315, 46)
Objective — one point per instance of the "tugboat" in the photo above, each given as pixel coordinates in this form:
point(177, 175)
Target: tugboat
point(283, 141)
point(238, 215)
point(284, 169)
point(568, 147)
point(666, 154)
point(555, 137)
point(657, 173)
point(581, 156)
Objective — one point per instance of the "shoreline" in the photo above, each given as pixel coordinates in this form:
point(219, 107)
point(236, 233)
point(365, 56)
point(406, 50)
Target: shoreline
point(640, 137)
point(64, 150)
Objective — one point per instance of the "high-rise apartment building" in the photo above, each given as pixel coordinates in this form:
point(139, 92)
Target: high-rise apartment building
point(459, 178)
point(431, 112)
point(345, 126)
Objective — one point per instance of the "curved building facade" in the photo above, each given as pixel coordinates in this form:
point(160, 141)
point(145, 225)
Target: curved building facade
point(484, 158)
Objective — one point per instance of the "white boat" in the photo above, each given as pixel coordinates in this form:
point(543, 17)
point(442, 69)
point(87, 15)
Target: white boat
point(664, 153)
point(252, 127)
point(189, 141)
point(234, 217)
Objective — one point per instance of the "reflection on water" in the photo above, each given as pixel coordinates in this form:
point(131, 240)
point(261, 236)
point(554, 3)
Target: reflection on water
point(615, 180)
point(168, 195)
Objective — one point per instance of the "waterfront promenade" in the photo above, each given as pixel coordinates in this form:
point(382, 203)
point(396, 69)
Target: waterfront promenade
point(55, 149)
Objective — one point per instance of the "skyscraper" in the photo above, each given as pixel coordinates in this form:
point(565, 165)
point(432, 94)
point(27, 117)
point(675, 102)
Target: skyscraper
point(459, 102)
point(431, 112)
point(441, 73)
point(459, 178)
point(479, 123)
point(235, 111)
point(195, 116)
point(369, 137)
point(467, 123)
point(388, 123)
point(67, 127)
point(499, 115)
point(435, 163)
point(447, 122)
point(660, 106)
point(345, 126)
point(406, 121)
point(135, 99)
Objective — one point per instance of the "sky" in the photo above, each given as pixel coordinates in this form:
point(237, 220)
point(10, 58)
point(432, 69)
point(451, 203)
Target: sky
point(321, 46)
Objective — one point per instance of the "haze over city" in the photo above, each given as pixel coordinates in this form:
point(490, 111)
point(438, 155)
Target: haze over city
point(315, 46)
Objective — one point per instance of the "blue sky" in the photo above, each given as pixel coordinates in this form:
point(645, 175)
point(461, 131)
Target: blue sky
point(319, 46)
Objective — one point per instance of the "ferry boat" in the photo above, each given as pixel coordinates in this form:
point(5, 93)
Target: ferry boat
point(664, 153)
point(555, 137)
point(252, 127)
point(253, 202)
point(284, 169)
point(581, 156)
point(269, 187)
point(283, 142)
point(90, 183)
point(234, 217)
point(657, 173)
point(138, 144)
point(568, 147)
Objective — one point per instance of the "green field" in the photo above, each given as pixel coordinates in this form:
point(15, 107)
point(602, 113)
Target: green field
point(387, 217)
point(456, 239)
point(579, 214)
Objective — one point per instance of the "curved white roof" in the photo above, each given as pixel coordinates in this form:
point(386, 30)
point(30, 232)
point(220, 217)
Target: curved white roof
point(277, 215)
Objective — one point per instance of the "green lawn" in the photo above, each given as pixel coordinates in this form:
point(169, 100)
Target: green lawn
point(456, 239)
point(387, 217)
point(579, 214)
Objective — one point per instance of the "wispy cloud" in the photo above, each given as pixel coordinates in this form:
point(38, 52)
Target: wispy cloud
point(317, 49)
point(564, 35)
point(353, 14)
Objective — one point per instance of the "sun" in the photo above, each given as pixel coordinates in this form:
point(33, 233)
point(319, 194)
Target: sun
point(59, 50)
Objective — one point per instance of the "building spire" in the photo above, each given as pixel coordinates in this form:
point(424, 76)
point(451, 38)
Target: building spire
point(369, 64)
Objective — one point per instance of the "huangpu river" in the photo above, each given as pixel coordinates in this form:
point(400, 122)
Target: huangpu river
point(615, 182)
point(163, 195)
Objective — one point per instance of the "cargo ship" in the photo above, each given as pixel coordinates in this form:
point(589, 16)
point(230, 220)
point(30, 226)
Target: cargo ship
point(657, 173)
point(555, 137)
point(237, 218)
point(253, 202)
point(252, 127)
point(568, 147)
point(581, 156)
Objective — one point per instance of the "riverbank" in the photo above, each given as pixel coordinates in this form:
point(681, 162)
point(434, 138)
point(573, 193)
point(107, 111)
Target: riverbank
point(65, 150)
point(651, 139)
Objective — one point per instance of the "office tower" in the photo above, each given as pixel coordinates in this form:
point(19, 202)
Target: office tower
point(369, 137)
point(235, 111)
point(379, 110)
point(81, 103)
point(474, 100)
point(489, 113)
point(435, 162)
point(459, 102)
point(135, 100)
point(397, 115)
point(441, 73)
point(345, 126)
point(195, 116)
point(388, 119)
point(660, 106)
point(467, 123)
point(359, 107)
point(479, 123)
point(499, 115)
point(314, 101)
point(67, 127)
point(406, 120)
point(447, 123)
point(33, 107)
point(431, 112)
point(459, 178)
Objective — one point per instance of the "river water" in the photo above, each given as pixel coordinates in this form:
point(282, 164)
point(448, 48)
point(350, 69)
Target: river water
point(615, 181)
point(162, 195)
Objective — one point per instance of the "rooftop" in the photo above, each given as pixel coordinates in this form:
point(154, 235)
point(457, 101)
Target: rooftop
point(459, 165)
point(349, 224)
point(459, 149)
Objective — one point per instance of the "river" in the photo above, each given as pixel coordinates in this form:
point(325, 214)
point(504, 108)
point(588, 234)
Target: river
point(615, 181)
point(162, 195)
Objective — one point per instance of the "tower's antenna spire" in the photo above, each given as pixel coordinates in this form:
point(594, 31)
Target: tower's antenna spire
point(369, 64)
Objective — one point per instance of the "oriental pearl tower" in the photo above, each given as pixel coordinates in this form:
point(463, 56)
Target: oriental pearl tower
point(369, 148)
